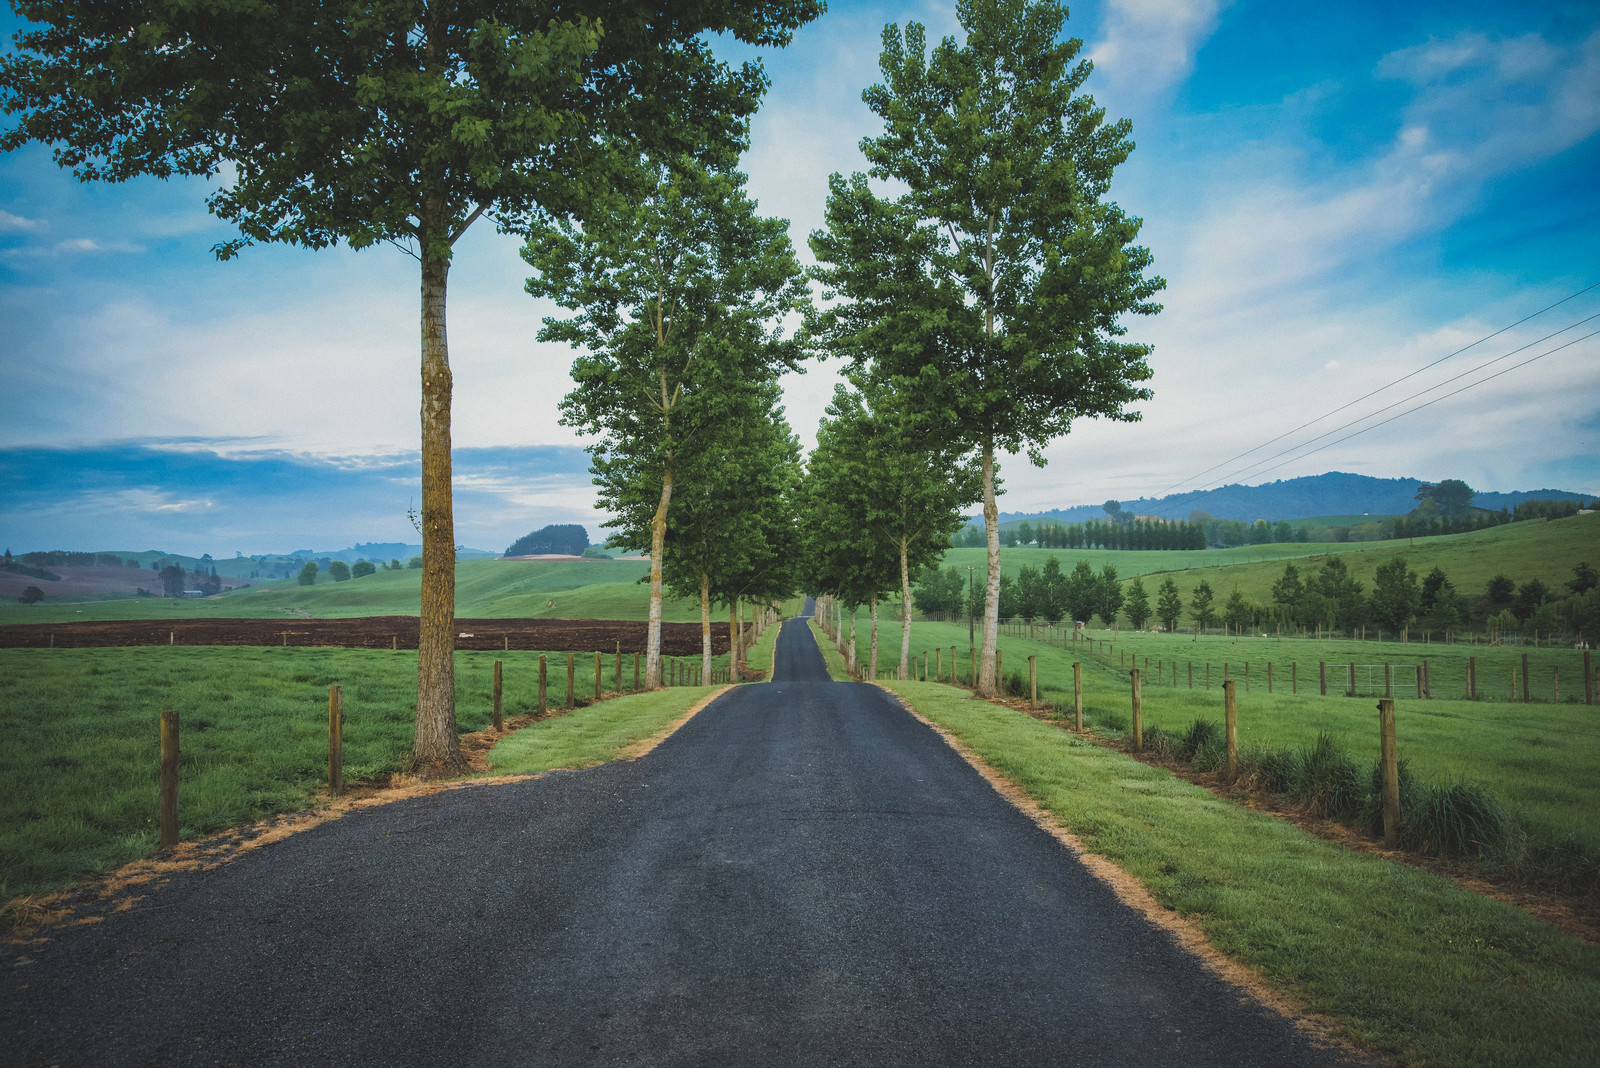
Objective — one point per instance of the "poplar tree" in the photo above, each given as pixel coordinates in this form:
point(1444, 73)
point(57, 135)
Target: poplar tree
point(403, 122)
point(678, 292)
point(993, 287)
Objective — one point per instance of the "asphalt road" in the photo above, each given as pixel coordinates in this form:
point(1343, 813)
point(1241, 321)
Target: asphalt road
point(803, 874)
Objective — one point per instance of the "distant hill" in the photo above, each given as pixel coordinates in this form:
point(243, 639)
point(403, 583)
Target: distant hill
point(1334, 493)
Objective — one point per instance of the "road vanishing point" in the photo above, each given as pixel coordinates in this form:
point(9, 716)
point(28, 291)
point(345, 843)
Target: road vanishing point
point(803, 874)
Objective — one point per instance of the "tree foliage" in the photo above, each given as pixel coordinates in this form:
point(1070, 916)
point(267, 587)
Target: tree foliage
point(678, 299)
point(993, 287)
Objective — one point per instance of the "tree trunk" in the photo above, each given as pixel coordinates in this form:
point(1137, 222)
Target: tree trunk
point(852, 653)
point(705, 624)
point(658, 545)
point(991, 589)
point(733, 640)
point(435, 749)
point(872, 644)
point(905, 609)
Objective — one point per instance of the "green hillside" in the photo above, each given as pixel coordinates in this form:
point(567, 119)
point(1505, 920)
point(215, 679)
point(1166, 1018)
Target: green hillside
point(1546, 550)
point(560, 589)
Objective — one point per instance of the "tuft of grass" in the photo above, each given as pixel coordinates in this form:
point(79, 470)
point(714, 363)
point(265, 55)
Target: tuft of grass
point(1330, 782)
point(1201, 733)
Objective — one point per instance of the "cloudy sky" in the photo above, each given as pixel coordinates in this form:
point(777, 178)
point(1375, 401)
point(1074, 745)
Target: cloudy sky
point(1379, 224)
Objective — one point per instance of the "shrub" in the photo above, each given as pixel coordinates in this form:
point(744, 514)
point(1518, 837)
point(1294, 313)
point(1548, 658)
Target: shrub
point(1212, 754)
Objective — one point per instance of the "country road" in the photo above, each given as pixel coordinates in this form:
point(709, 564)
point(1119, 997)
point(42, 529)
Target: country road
point(803, 874)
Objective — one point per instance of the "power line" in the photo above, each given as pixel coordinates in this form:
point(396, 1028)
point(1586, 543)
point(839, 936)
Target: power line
point(1251, 470)
point(1447, 396)
point(1380, 389)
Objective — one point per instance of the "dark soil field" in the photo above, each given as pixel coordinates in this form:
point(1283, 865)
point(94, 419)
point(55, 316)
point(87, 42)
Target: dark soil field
point(371, 632)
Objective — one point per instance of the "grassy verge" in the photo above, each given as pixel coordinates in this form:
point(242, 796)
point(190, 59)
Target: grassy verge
point(1406, 962)
point(838, 669)
point(595, 735)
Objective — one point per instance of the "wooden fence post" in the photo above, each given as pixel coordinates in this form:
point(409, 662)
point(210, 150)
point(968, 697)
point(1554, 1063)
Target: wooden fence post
point(1391, 774)
point(336, 740)
point(1077, 697)
point(1527, 694)
point(1231, 725)
point(1322, 670)
point(498, 723)
point(572, 671)
point(1472, 678)
point(1033, 682)
point(544, 679)
point(1138, 714)
point(169, 779)
point(599, 683)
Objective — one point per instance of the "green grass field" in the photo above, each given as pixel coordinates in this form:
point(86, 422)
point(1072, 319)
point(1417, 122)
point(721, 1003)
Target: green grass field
point(82, 740)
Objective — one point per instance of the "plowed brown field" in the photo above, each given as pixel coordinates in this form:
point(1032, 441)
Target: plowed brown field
point(370, 632)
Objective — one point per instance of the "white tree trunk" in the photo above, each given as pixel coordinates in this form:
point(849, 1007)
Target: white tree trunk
point(905, 611)
point(991, 589)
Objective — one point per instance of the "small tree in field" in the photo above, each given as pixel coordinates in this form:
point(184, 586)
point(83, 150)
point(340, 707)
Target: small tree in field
point(363, 568)
point(308, 574)
point(1169, 604)
point(991, 290)
point(1202, 606)
point(1137, 606)
point(31, 595)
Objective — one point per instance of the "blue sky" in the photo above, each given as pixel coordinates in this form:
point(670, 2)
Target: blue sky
point(1337, 195)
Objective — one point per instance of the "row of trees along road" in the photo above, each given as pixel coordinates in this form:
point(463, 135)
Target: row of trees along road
point(884, 490)
point(406, 123)
point(679, 290)
point(989, 293)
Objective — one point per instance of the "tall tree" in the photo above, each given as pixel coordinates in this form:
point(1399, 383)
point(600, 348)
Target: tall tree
point(993, 288)
point(679, 292)
point(404, 122)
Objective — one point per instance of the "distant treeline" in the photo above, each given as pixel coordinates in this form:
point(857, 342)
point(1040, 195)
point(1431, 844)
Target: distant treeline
point(62, 558)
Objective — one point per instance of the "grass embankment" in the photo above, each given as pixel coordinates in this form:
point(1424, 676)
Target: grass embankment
point(1405, 961)
point(82, 743)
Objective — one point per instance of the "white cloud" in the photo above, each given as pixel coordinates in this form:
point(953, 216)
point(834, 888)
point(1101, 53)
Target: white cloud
point(12, 224)
point(1149, 45)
